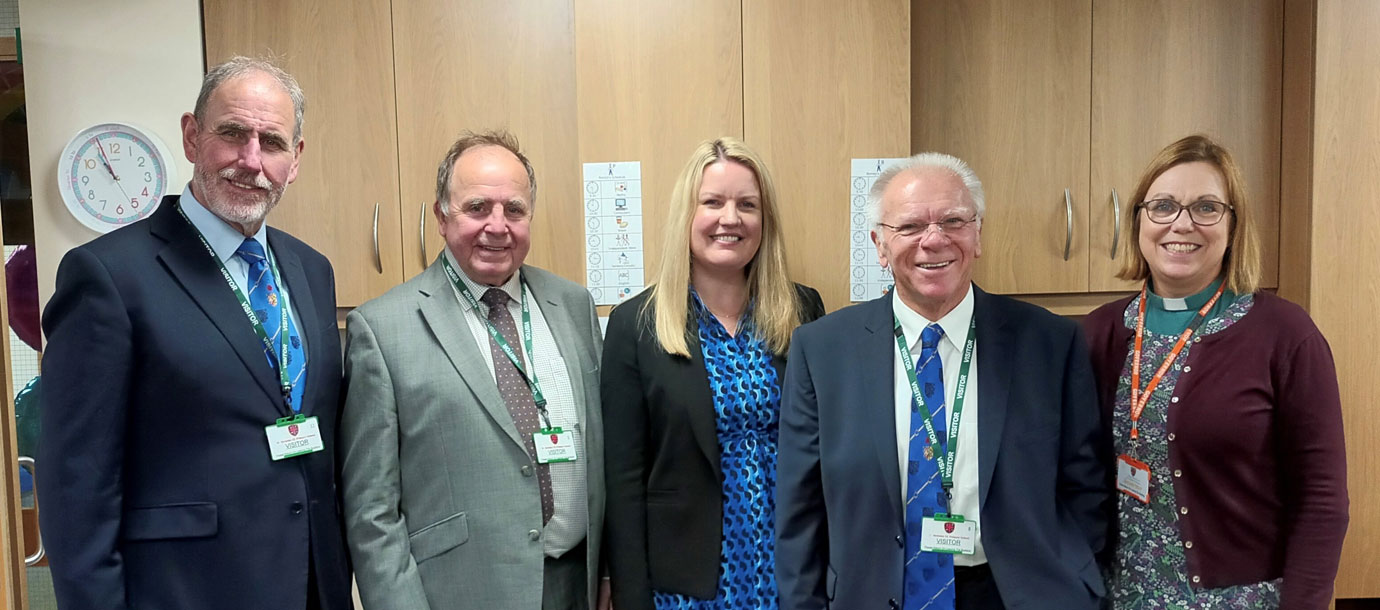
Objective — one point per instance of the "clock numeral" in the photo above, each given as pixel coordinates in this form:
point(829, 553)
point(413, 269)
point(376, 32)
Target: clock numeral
point(90, 164)
point(119, 209)
point(134, 203)
point(141, 161)
point(148, 177)
point(102, 205)
point(91, 194)
point(86, 179)
point(114, 148)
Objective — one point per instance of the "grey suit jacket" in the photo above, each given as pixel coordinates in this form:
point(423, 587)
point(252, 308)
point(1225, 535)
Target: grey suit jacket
point(438, 510)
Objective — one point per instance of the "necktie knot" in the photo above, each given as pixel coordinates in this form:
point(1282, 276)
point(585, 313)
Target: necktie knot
point(929, 338)
point(495, 298)
point(251, 251)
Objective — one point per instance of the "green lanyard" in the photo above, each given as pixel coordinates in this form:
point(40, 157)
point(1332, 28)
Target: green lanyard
point(283, 381)
point(946, 458)
point(503, 345)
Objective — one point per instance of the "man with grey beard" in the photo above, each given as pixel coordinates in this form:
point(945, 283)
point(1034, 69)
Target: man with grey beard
point(191, 385)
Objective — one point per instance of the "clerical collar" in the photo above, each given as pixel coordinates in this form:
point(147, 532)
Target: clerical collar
point(1192, 302)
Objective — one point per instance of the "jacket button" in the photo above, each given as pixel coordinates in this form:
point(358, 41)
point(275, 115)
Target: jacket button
point(892, 602)
point(526, 471)
point(901, 542)
point(533, 535)
point(296, 508)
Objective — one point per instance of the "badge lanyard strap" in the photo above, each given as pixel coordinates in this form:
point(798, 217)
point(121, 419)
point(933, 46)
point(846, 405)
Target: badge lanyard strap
point(946, 458)
point(284, 383)
point(530, 380)
point(1140, 398)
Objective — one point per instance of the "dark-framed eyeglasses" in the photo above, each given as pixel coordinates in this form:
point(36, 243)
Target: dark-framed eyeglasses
point(1204, 212)
point(948, 226)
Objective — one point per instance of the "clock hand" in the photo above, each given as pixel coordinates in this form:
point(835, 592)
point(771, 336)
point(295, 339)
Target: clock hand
point(106, 160)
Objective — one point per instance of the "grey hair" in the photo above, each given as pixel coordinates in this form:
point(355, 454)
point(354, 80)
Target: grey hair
point(918, 163)
point(239, 66)
point(468, 140)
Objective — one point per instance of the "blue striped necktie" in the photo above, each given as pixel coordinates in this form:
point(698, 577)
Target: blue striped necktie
point(929, 577)
point(264, 299)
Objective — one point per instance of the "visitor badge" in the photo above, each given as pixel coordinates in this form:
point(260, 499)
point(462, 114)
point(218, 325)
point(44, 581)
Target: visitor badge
point(948, 534)
point(1133, 478)
point(554, 445)
point(294, 436)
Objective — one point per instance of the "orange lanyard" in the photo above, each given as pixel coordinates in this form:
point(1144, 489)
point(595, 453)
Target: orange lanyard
point(1140, 398)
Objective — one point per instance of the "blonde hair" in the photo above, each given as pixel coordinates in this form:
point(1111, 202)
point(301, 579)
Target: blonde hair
point(1241, 262)
point(776, 309)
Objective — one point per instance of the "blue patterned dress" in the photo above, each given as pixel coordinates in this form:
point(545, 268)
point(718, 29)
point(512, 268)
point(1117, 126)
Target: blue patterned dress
point(1150, 571)
point(747, 400)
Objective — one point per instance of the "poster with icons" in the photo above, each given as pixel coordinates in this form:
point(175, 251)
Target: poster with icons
point(867, 279)
point(613, 230)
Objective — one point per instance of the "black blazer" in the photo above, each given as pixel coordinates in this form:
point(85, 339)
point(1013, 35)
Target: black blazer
point(158, 491)
point(665, 489)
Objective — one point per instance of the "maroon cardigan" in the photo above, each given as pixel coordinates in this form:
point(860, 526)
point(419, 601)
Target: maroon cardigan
point(1257, 434)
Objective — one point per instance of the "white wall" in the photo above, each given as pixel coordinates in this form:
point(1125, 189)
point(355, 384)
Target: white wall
point(92, 61)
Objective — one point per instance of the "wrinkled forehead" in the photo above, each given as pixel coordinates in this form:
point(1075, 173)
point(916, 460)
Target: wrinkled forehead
point(927, 194)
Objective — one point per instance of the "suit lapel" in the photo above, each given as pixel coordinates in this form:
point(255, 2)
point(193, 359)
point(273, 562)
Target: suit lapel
point(445, 317)
point(186, 259)
point(878, 403)
point(995, 363)
point(304, 308)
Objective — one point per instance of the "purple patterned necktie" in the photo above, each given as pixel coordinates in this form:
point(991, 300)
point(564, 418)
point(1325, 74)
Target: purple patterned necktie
point(515, 392)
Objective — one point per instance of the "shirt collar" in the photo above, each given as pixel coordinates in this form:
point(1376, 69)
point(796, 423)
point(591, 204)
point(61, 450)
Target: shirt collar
point(224, 239)
point(955, 323)
point(513, 286)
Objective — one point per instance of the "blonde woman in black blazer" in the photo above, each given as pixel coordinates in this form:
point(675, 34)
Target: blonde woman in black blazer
point(691, 379)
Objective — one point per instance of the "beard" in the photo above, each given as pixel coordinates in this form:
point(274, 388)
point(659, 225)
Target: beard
point(244, 207)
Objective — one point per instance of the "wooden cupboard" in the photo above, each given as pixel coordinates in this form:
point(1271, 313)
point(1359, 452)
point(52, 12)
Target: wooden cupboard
point(1059, 106)
point(345, 200)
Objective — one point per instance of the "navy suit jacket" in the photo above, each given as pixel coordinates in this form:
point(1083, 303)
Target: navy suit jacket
point(1042, 473)
point(157, 490)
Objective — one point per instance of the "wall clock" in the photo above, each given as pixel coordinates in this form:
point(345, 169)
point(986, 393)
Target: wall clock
point(113, 174)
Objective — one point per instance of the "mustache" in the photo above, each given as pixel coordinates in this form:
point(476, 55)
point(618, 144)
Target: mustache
point(259, 180)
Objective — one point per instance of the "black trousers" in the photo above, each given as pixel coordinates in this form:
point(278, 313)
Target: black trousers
point(975, 589)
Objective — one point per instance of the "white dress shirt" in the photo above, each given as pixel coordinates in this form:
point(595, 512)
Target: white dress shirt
point(570, 517)
point(955, 325)
point(225, 240)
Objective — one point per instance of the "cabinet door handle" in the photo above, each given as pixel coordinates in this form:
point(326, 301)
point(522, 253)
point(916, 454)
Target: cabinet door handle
point(1116, 226)
point(378, 261)
point(28, 462)
point(1068, 224)
point(421, 232)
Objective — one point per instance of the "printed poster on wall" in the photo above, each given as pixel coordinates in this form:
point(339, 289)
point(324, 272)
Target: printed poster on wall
point(613, 230)
point(867, 279)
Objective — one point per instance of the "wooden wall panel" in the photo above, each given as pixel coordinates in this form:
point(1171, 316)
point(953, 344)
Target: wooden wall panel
point(342, 56)
point(1346, 258)
point(1164, 70)
point(487, 64)
point(1296, 152)
point(824, 82)
point(1003, 85)
point(653, 80)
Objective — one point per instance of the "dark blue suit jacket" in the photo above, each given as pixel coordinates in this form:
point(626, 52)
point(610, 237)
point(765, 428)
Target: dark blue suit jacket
point(1042, 474)
point(156, 488)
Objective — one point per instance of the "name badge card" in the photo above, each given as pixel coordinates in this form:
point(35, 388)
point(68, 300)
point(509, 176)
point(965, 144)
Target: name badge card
point(1133, 478)
point(554, 445)
point(293, 436)
point(948, 534)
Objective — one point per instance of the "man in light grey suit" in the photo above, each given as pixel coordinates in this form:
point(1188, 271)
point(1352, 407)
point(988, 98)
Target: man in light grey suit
point(471, 436)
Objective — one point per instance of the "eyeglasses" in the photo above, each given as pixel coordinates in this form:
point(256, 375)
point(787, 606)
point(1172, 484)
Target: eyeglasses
point(1203, 213)
point(948, 226)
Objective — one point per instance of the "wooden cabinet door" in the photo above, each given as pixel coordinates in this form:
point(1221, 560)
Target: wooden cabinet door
point(1004, 85)
point(345, 200)
point(489, 64)
point(1164, 70)
point(824, 82)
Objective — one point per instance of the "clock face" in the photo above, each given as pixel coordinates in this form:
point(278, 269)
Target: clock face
point(114, 174)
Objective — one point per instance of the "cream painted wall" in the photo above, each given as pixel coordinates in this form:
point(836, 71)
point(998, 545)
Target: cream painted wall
point(92, 61)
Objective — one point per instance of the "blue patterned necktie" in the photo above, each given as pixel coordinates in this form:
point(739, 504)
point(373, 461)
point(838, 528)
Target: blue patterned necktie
point(929, 577)
point(264, 300)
